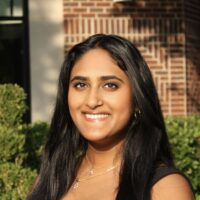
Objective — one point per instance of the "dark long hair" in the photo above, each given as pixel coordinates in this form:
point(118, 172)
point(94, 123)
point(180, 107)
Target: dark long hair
point(146, 143)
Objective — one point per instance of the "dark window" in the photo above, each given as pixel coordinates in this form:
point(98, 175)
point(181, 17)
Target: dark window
point(14, 45)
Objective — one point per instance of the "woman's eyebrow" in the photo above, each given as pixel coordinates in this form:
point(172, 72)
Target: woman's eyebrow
point(103, 78)
point(80, 78)
point(108, 77)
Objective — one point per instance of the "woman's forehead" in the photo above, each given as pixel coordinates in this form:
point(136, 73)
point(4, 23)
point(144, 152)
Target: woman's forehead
point(97, 61)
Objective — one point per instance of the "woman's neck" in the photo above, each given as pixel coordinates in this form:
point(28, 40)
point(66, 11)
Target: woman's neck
point(104, 157)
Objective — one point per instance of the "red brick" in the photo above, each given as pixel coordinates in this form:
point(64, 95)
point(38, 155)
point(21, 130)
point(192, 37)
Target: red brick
point(96, 10)
point(91, 15)
point(90, 4)
point(69, 4)
point(104, 4)
point(70, 15)
point(80, 10)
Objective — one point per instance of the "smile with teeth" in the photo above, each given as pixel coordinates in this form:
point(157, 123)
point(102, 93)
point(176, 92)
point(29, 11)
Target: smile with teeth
point(96, 116)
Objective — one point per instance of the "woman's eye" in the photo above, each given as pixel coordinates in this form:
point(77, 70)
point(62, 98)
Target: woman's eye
point(112, 86)
point(79, 85)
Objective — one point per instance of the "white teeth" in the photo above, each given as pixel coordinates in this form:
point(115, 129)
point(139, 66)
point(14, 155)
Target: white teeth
point(96, 116)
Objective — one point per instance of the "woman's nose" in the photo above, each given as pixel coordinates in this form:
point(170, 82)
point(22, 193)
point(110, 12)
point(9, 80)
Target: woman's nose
point(94, 99)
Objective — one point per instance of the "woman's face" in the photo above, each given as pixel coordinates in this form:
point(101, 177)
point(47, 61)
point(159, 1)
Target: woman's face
point(99, 98)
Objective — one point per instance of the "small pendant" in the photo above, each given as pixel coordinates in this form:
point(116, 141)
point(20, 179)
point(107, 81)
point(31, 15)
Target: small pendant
point(75, 185)
point(91, 172)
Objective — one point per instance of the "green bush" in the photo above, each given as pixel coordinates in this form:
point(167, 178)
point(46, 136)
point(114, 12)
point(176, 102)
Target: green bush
point(12, 105)
point(12, 145)
point(184, 135)
point(15, 181)
point(20, 145)
point(20, 159)
point(35, 137)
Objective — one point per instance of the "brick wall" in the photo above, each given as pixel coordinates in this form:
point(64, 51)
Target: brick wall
point(158, 30)
point(192, 16)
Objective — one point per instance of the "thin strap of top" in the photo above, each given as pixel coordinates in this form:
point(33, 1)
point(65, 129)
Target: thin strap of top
point(163, 171)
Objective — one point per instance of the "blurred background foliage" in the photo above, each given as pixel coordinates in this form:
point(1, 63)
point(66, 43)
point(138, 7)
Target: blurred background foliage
point(184, 135)
point(21, 145)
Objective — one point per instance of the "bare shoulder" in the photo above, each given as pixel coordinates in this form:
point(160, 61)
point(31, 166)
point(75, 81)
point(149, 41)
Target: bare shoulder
point(173, 187)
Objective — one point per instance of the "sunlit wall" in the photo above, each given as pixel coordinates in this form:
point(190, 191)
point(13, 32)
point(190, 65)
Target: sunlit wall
point(46, 54)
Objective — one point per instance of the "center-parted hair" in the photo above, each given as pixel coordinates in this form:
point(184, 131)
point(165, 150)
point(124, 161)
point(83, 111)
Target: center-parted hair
point(146, 145)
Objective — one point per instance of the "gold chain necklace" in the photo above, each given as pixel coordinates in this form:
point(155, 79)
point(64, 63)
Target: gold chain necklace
point(91, 174)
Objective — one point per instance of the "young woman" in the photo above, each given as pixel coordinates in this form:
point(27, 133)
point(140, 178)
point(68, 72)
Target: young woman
point(107, 138)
